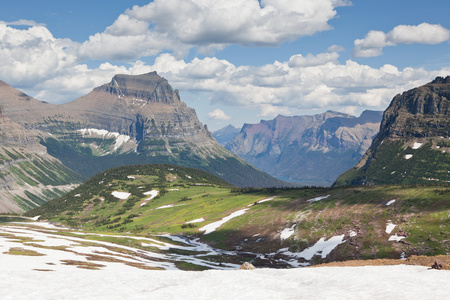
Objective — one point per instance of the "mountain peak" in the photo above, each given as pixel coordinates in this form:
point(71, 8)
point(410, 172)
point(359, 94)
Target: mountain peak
point(149, 87)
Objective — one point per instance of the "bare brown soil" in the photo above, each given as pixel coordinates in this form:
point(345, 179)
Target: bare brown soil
point(421, 260)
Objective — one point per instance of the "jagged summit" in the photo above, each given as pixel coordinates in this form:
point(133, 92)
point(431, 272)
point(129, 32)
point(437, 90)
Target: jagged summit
point(413, 143)
point(148, 87)
point(133, 119)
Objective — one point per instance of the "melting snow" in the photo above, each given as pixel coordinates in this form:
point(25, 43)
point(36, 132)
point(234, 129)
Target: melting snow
point(287, 232)
point(390, 202)
point(21, 279)
point(416, 145)
point(408, 156)
point(213, 226)
point(165, 206)
point(389, 226)
point(152, 193)
point(395, 238)
point(120, 138)
point(121, 195)
point(352, 233)
point(322, 248)
point(318, 198)
point(196, 221)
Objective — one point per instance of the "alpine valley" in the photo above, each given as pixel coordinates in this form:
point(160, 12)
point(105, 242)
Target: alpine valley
point(169, 215)
point(313, 150)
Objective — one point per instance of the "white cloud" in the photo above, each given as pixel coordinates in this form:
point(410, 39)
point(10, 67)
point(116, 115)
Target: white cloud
point(178, 25)
point(375, 41)
point(218, 114)
point(33, 54)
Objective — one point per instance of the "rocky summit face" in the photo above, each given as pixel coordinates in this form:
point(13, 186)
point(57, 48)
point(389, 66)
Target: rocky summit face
point(311, 149)
point(133, 119)
point(413, 146)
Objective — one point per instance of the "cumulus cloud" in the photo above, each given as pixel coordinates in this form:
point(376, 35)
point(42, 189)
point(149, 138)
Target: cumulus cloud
point(179, 25)
point(218, 114)
point(375, 41)
point(33, 54)
point(295, 85)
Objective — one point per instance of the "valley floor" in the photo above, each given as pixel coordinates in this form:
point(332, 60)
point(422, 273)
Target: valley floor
point(41, 261)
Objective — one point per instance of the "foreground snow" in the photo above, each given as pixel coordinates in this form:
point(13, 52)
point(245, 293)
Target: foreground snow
point(119, 277)
point(380, 282)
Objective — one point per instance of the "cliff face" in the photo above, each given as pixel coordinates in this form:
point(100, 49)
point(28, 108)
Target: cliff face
point(130, 120)
point(413, 144)
point(313, 149)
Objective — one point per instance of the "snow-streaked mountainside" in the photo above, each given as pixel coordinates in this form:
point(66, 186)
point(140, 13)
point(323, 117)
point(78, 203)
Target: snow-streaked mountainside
point(133, 119)
point(413, 145)
point(80, 265)
point(313, 149)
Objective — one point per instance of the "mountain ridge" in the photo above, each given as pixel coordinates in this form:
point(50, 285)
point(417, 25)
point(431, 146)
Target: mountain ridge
point(132, 119)
point(302, 147)
point(413, 145)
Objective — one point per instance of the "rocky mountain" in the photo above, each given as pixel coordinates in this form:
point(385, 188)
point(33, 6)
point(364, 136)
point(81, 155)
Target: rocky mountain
point(310, 149)
point(413, 146)
point(226, 134)
point(28, 175)
point(130, 120)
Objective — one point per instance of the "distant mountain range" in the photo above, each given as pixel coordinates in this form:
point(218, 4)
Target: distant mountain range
point(130, 120)
point(314, 150)
point(413, 146)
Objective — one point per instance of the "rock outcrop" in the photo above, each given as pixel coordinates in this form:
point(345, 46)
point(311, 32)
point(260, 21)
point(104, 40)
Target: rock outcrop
point(413, 144)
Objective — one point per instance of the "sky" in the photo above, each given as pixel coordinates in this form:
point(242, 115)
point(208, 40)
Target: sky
point(234, 61)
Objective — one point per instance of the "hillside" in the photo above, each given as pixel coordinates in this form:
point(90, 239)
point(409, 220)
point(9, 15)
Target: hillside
point(413, 145)
point(136, 119)
point(313, 150)
point(28, 175)
point(271, 227)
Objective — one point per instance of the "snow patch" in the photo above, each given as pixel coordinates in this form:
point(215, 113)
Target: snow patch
point(120, 138)
point(352, 233)
point(395, 238)
point(408, 156)
point(318, 198)
point(196, 221)
point(213, 226)
point(287, 232)
point(390, 202)
point(322, 248)
point(121, 195)
point(417, 145)
point(165, 206)
point(152, 193)
point(389, 226)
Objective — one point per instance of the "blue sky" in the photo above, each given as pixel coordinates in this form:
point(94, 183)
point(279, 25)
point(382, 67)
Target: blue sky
point(234, 61)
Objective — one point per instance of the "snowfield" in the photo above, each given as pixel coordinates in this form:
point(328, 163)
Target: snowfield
point(381, 282)
point(118, 277)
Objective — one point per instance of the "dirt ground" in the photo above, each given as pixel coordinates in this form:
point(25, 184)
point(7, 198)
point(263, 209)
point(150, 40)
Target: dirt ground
point(427, 261)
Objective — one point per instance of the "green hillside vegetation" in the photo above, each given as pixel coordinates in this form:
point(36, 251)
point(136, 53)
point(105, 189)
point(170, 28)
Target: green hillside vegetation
point(421, 213)
point(428, 164)
point(82, 159)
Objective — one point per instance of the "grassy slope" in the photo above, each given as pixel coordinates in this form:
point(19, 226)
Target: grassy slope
point(420, 213)
point(389, 166)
